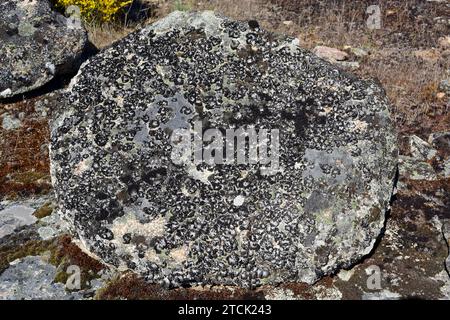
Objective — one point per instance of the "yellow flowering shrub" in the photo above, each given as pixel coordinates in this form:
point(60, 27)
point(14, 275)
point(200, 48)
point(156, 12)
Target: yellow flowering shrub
point(101, 10)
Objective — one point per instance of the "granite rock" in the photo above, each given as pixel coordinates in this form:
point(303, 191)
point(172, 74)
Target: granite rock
point(420, 149)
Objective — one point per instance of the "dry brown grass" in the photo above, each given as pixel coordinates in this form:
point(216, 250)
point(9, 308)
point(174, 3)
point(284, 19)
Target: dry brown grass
point(24, 162)
point(102, 36)
point(412, 86)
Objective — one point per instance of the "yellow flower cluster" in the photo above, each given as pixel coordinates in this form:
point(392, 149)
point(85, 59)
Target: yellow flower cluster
point(101, 10)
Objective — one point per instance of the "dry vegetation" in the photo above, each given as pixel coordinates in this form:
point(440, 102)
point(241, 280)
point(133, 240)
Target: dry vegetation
point(24, 163)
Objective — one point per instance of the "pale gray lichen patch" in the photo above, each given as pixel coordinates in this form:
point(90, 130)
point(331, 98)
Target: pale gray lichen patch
point(15, 216)
point(10, 123)
point(416, 169)
point(31, 278)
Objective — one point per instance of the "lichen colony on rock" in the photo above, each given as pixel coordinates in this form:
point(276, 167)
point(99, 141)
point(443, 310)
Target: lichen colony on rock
point(36, 45)
point(223, 224)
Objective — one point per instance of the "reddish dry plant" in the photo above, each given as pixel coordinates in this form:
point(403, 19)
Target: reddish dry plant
point(132, 287)
point(24, 162)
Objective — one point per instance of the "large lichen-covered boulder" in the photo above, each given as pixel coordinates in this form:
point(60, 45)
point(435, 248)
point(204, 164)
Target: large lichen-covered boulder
point(138, 203)
point(36, 44)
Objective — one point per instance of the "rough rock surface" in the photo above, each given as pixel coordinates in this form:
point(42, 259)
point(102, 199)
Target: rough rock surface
point(32, 278)
point(14, 217)
point(412, 256)
point(221, 224)
point(36, 44)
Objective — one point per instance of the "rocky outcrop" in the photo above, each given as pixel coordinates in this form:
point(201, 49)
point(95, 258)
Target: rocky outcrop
point(15, 217)
point(31, 278)
point(36, 44)
point(136, 200)
point(410, 259)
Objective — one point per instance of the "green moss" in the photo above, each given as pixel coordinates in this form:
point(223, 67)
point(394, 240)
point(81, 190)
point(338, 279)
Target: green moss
point(30, 248)
point(67, 254)
point(61, 277)
point(44, 211)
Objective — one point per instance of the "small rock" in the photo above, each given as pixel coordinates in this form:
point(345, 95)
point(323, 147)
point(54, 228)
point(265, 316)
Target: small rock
point(14, 217)
point(444, 42)
point(414, 169)
point(420, 149)
point(440, 140)
point(330, 54)
point(239, 201)
point(11, 123)
point(52, 226)
point(440, 95)
point(349, 65)
point(345, 275)
point(46, 233)
point(31, 278)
